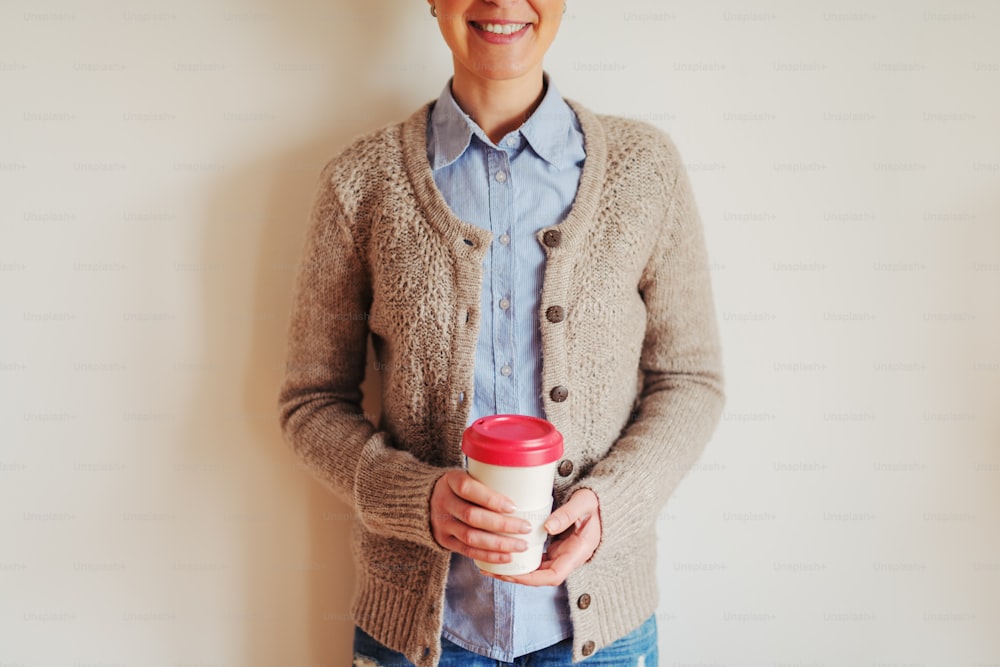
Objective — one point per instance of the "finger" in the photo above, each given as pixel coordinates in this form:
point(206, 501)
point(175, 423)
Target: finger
point(543, 576)
point(590, 530)
point(551, 572)
point(573, 554)
point(452, 543)
point(479, 517)
point(576, 548)
point(578, 507)
point(466, 522)
point(464, 486)
point(561, 559)
point(557, 548)
point(486, 541)
point(531, 579)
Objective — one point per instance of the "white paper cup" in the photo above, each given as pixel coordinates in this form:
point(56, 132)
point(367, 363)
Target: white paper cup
point(529, 487)
point(516, 455)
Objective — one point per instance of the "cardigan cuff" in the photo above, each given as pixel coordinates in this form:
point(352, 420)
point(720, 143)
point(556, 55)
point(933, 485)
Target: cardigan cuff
point(392, 493)
point(659, 454)
point(623, 515)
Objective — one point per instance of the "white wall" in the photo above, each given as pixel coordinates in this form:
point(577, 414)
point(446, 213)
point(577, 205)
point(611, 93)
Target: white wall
point(157, 162)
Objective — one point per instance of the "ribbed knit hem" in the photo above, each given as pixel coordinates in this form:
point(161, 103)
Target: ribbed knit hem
point(618, 604)
point(410, 622)
point(405, 621)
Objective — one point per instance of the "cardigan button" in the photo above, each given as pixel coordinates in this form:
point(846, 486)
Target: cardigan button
point(554, 314)
point(565, 468)
point(559, 393)
point(588, 647)
point(584, 601)
point(552, 238)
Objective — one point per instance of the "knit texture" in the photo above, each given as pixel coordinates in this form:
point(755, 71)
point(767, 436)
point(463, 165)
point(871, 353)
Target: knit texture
point(637, 354)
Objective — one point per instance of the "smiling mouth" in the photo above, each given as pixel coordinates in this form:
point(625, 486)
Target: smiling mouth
point(500, 28)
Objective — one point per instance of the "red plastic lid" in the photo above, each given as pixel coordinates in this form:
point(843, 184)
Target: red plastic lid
point(513, 441)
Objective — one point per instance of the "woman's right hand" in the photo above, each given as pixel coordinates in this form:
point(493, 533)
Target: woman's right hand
point(466, 517)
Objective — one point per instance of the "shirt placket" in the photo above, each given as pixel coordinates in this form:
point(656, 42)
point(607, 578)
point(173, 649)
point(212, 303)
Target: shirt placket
point(501, 220)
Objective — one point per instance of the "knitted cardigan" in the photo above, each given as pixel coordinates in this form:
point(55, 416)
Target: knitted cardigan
point(631, 375)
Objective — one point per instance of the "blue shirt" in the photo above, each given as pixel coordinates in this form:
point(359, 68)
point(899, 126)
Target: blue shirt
point(526, 182)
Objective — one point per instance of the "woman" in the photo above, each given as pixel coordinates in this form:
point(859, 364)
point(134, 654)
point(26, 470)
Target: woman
point(508, 251)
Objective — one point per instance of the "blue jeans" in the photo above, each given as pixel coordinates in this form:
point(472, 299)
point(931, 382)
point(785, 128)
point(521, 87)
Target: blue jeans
point(637, 649)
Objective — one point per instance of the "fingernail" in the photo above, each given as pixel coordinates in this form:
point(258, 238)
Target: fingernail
point(525, 527)
point(509, 507)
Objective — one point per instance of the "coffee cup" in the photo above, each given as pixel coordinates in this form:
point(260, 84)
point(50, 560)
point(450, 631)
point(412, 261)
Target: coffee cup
point(516, 455)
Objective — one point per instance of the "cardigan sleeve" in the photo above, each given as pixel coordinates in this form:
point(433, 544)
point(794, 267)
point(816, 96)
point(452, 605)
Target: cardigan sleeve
point(682, 395)
point(319, 399)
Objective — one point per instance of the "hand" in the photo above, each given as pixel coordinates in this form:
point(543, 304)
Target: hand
point(579, 521)
point(466, 516)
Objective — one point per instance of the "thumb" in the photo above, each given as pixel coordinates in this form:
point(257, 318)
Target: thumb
point(575, 511)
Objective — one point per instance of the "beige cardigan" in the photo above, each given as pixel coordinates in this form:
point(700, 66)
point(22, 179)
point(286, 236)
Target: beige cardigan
point(631, 376)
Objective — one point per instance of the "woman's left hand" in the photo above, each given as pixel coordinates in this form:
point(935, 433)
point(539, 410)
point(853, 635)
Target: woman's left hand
point(578, 526)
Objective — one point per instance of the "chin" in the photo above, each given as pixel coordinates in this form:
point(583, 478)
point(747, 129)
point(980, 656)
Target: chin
point(497, 72)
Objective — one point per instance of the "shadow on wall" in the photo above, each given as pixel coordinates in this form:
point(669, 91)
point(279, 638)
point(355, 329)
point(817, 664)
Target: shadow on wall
point(276, 582)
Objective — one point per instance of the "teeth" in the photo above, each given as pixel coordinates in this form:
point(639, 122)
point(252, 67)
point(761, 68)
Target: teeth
point(502, 28)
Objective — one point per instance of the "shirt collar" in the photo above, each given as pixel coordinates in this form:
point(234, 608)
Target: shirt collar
point(546, 131)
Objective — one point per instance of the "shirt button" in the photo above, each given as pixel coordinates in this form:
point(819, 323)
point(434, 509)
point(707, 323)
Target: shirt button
point(505, 304)
point(559, 393)
point(505, 239)
point(502, 176)
point(505, 371)
point(565, 468)
point(552, 237)
point(584, 601)
point(554, 314)
point(511, 141)
point(588, 647)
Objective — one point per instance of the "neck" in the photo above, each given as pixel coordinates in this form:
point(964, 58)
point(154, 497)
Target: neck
point(498, 107)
